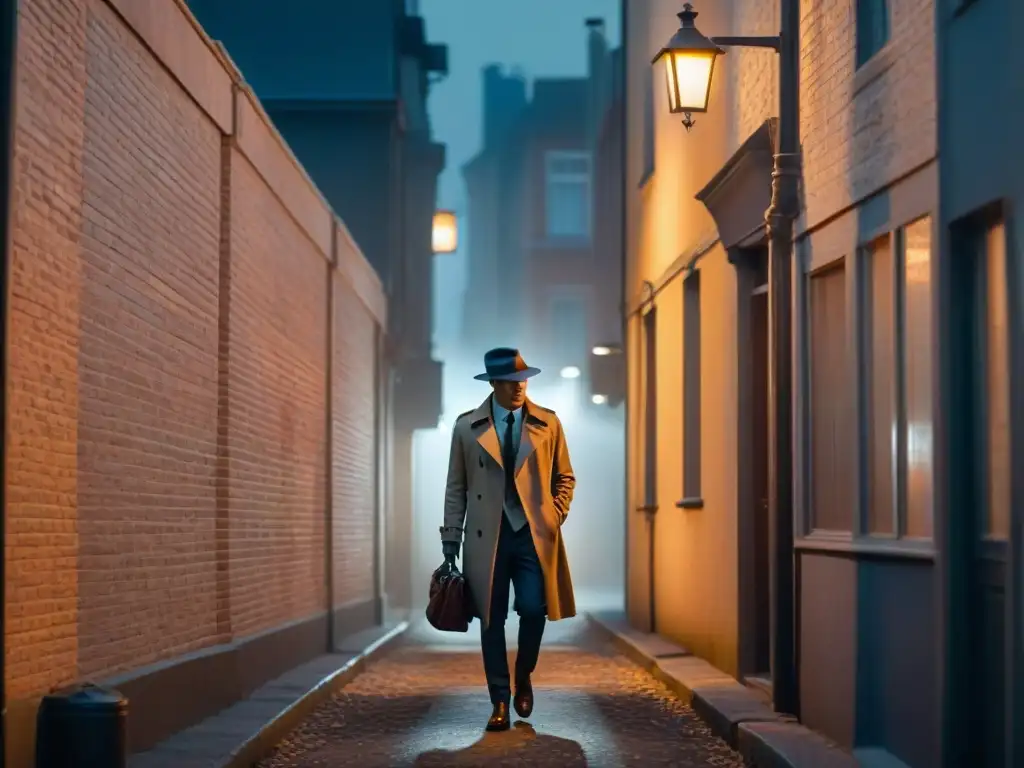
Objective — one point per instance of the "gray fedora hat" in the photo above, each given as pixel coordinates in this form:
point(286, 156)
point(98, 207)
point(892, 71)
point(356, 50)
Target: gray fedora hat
point(505, 364)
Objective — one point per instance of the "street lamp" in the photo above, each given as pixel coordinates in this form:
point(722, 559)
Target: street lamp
point(445, 235)
point(570, 372)
point(689, 65)
point(599, 399)
point(604, 350)
point(689, 59)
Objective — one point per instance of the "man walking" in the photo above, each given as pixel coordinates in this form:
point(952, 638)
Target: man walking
point(510, 484)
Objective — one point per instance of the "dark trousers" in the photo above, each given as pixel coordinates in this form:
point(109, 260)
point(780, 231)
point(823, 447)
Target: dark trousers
point(516, 563)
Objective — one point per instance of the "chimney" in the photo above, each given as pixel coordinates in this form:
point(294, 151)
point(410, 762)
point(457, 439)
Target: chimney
point(504, 99)
point(597, 46)
point(598, 72)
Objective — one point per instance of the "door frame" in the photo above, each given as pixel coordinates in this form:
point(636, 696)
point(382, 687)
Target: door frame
point(956, 521)
point(751, 265)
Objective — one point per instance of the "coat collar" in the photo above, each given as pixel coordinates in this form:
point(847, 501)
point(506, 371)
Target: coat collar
point(535, 425)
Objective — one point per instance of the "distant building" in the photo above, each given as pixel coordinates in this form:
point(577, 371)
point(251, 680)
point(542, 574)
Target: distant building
point(346, 83)
point(544, 218)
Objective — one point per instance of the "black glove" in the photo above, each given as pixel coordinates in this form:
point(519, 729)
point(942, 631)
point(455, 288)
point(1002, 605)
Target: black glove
point(451, 551)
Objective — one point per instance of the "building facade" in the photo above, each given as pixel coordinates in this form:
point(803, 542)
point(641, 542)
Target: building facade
point(979, 414)
point(195, 370)
point(545, 218)
point(346, 82)
point(866, 484)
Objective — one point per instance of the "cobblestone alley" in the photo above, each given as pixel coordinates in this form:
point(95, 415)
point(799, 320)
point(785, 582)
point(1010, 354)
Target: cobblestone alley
point(424, 704)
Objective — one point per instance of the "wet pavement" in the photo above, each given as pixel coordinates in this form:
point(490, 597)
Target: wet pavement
point(424, 704)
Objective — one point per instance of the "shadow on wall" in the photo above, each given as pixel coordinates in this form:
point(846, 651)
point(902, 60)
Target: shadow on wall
point(595, 529)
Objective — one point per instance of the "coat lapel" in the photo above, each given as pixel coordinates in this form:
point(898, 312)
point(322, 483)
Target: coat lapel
point(534, 429)
point(482, 424)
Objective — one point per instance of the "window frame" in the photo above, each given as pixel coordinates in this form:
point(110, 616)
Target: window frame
point(858, 541)
point(692, 369)
point(866, 304)
point(870, 13)
point(586, 179)
point(579, 297)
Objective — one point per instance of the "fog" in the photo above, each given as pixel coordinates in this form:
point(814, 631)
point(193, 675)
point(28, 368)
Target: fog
point(539, 39)
point(594, 533)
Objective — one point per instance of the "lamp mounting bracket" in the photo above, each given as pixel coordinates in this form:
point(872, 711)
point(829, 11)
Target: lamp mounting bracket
point(770, 41)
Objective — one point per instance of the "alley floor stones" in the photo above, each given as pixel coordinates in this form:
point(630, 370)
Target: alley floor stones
point(424, 704)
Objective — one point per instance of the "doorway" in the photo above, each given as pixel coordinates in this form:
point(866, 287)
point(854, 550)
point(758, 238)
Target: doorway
point(754, 560)
point(761, 671)
point(980, 489)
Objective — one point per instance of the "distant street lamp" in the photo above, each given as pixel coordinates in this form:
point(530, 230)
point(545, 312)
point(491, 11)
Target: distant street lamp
point(599, 399)
point(689, 59)
point(570, 372)
point(446, 232)
point(603, 350)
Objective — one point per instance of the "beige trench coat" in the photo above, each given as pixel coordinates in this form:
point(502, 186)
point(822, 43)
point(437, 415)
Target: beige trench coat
point(474, 498)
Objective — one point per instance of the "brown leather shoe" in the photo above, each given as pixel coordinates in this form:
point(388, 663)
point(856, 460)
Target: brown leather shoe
point(500, 720)
point(523, 700)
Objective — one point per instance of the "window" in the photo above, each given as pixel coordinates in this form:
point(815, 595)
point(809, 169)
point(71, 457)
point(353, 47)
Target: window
point(896, 379)
point(917, 376)
point(872, 28)
point(691, 388)
point(650, 338)
point(567, 194)
point(879, 362)
point(830, 396)
point(568, 321)
point(648, 139)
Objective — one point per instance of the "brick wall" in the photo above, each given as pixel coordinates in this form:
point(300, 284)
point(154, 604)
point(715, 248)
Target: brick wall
point(42, 391)
point(277, 400)
point(355, 452)
point(860, 130)
point(147, 359)
point(168, 380)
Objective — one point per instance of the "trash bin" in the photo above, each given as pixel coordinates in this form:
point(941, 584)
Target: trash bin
point(82, 726)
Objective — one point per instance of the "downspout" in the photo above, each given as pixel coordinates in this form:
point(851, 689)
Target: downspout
point(9, 59)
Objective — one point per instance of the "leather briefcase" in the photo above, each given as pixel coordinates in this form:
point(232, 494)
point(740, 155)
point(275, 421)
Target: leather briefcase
point(450, 606)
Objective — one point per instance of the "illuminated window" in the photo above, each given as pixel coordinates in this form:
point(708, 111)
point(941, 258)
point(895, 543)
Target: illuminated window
point(896, 365)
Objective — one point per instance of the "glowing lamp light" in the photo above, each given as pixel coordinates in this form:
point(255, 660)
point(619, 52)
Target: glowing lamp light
point(599, 399)
point(689, 60)
point(570, 372)
point(601, 351)
point(446, 232)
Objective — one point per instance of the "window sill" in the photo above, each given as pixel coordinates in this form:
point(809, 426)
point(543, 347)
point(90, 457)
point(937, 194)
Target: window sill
point(875, 67)
point(690, 502)
point(864, 546)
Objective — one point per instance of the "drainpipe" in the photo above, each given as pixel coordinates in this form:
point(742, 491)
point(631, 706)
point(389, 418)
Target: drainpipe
point(623, 289)
point(8, 62)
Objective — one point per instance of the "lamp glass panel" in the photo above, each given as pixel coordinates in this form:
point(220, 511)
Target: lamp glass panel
point(689, 77)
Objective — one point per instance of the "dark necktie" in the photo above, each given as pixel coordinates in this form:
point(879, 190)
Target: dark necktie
point(508, 457)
